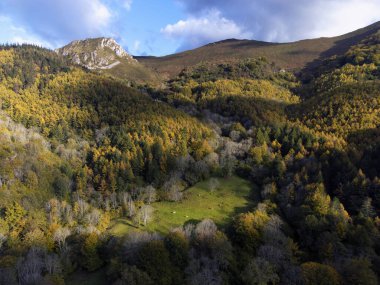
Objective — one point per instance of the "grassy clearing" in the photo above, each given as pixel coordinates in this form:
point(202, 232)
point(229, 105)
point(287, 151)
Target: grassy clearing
point(234, 195)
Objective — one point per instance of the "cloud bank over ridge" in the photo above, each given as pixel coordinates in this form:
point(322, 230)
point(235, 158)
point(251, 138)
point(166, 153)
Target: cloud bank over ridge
point(270, 20)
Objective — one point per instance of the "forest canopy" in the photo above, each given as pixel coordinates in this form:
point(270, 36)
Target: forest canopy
point(82, 151)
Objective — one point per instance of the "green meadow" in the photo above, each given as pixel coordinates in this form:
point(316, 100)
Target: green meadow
point(233, 195)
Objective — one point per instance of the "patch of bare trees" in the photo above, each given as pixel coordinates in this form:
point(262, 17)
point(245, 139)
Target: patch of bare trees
point(37, 263)
point(60, 236)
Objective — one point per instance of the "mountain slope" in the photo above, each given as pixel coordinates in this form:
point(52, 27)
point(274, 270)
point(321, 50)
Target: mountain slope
point(105, 55)
point(294, 56)
point(344, 98)
point(78, 149)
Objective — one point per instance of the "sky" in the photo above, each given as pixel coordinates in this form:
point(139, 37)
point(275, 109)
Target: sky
point(160, 27)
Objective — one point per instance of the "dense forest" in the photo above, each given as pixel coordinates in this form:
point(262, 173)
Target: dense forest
point(81, 150)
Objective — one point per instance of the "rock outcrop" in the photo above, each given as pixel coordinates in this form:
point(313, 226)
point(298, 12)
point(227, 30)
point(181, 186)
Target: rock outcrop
point(99, 53)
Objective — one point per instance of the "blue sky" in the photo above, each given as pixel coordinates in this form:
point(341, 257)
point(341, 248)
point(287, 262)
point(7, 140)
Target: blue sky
point(160, 27)
point(139, 29)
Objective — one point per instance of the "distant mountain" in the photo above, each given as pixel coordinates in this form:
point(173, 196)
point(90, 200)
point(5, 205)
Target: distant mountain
point(107, 56)
point(291, 56)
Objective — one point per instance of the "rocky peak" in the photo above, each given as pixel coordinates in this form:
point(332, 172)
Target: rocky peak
point(113, 45)
point(98, 53)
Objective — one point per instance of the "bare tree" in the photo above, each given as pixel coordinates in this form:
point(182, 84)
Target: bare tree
point(113, 200)
point(67, 214)
point(150, 192)
point(92, 218)
point(175, 193)
point(200, 169)
point(173, 188)
point(205, 229)
point(52, 264)
point(260, 271)
point(274, 255)
point(213, 184)
point(60, 237)
point(367, 209)
point(141, 194)
point(106, 204)
point(131, 208)
point(183, 163)
point(269, 190)
point(100, 134)
point(8, 275)
point(98, 199)
point(272, 232)
point(235, 135)
point(188, 230)
point(53, 208)
point(227, 158)
point(134, 241)
point(3, 239)
point(146, 212)
point(30, 268)
point(126, 201)
point(135, 192)
point(212, 160)
point(123, 199)
point(276, 249)
point(292, 275)
point(82, 207)
point(203, 271)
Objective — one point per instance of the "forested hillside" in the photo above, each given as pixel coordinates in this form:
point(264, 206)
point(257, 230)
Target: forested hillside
point(98, 178)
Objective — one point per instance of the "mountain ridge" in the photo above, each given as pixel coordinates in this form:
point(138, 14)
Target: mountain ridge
point(105, 55)
point(291, 56)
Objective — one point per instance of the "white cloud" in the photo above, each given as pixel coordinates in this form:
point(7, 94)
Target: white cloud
point(346, 17)
point(99, 14)
point(127, 4)
point(59, 21)
point(136, 47)
point(281, 20)
point(209, 27)
point(10, 33)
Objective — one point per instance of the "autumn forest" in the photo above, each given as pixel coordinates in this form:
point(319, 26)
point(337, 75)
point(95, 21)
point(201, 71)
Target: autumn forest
point(114, 181)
